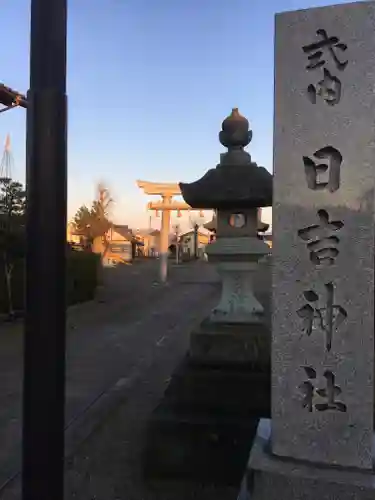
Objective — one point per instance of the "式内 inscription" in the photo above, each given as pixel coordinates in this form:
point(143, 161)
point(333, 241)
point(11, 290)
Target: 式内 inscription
point(329, 87)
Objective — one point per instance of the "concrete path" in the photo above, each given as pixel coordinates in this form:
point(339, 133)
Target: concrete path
point(111, 343)
point(108, 466)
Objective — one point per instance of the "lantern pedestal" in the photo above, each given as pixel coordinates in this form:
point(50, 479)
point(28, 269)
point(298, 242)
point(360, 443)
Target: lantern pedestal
point(237, 261)
point(218, 344)
point(235, 331)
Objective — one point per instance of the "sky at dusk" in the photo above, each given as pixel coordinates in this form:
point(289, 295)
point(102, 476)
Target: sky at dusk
point(149, 83)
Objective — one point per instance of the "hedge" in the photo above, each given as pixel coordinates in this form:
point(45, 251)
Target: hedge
point(82, 279)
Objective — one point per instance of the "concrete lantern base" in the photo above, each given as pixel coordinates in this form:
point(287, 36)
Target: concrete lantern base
point(269, 477)
point(226, 343)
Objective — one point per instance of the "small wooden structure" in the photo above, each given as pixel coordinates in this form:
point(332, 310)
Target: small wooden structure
point(10, 98)
point(120, 241)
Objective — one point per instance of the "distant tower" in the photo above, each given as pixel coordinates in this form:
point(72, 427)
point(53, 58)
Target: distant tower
point(7, 162)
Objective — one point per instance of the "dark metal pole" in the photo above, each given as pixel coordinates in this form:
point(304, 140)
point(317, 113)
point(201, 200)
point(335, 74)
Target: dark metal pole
point(46, 178)
point(196, 227)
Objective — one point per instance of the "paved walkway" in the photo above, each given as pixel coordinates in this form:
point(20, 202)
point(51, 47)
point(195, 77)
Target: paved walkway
point(112, 341)
point(108, 466)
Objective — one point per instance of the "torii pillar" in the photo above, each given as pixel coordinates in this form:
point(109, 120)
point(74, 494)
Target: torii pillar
point(167, 191)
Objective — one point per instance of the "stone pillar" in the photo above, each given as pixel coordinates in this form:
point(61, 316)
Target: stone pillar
point(322, 443)
point(164, 240)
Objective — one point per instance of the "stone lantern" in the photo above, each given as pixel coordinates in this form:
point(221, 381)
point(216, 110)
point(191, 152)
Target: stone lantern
point(237, 188)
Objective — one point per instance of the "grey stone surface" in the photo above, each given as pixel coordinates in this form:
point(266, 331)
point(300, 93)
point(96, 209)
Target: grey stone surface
point(273, 478)
point(226, 344)
point(338, 297)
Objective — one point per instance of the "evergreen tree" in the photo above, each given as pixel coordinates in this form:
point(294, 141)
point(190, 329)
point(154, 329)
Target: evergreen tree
point(12, 234)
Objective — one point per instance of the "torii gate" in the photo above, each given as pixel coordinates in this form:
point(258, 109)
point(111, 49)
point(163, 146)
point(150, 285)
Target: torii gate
point(167, 191)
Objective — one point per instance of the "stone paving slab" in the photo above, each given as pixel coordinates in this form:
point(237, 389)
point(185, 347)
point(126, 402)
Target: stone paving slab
point(105, 344)
point(108, 464)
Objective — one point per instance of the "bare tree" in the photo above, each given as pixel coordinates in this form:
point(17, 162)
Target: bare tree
point(101, 210)
point(94, 223)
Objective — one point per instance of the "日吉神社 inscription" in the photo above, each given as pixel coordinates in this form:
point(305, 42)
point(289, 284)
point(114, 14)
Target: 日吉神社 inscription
point(314, 170)
point(323, 248)
point(328, 394)
point(322, 242)
point(327, 318)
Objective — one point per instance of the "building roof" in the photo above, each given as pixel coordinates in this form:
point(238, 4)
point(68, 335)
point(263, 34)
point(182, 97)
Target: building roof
point(191, 232)
point(147, 232)
point(211, 225)
point(123, 230)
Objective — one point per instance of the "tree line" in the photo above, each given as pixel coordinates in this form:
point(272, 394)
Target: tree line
point(90, 223)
